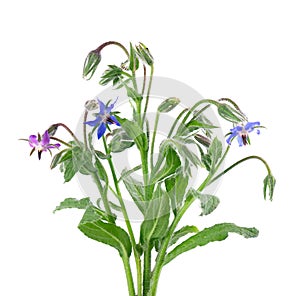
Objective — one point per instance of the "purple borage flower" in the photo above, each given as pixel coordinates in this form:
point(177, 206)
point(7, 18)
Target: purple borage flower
point(103, 118)
point(41, 144)
point(242, 132)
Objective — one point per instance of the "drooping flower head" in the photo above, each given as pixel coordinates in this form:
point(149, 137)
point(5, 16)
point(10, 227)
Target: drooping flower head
point(242, 132)
point(103, 118)
point(41, 144)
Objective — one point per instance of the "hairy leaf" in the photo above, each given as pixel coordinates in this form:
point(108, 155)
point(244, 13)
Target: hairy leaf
point(105, 232)
point(120, 141)
point(156, 219)
point(217, 232)
point(214, 153)
point(182, 232)
point(136, 190)
point(73, 203)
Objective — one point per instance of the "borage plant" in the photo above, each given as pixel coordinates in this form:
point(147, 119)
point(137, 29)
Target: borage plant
point(164, 193)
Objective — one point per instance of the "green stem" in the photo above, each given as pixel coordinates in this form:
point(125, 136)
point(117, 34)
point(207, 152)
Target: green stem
point(148, 93)
point(147, 269)
point(128, 273)
point(237, 163)
point(61, 141)
point(153, 138)
point(175, 122)
point(69, 131)
point(103, 195)
point(163, 250)
point(84, 129)
point(127, 221)
point(144, 78)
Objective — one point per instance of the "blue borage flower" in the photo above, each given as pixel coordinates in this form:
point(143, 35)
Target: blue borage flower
point(103, 118)
point(242, 132)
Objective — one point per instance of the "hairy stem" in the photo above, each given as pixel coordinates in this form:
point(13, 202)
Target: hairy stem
point(127, 221)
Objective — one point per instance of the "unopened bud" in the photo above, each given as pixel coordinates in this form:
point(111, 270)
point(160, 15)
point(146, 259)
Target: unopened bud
point(230, 114)
point(168, 105)
point(91, 63)
point(52, 130)
point(144, 54)
point(91, 105)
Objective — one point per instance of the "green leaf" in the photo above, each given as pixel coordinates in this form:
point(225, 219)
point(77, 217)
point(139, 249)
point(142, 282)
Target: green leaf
point(217, 232)
point(69, 170)
point(113, 74)
point(132, 93)
point(208, 202)
point(187, 157)
point(106, 233)
point(172, 163)
point(120, 141)
point(73, 203)
point(156, 219)
point(176, 188)
point(269, 184)
point(135, 133)
point(135, 189)
point(182, 232)
point(214, 153)
point(56, 160)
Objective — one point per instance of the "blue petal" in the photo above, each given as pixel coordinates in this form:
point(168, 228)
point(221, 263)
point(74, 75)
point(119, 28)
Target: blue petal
point(108, 109)
point(114, 119)
point(240, 141)
point(94, 122)
point(101, 130)
point(228, 140)
point(102, 107)
point(249, 127)
point(258, 131)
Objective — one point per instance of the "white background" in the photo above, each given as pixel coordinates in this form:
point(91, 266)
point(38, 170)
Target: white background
point(245, 50)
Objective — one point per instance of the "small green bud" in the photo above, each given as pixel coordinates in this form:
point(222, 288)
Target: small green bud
point(91, 63)
point(52, 129)
point(144, 54)
point(230, 114)
point(91, 105)
point(168, 105)
point(269, 184)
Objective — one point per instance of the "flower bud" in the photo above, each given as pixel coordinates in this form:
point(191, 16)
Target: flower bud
point(52, 130)
point(230, 114)
point(90, 64)
point(144, 54)
point(269, 184)
point(91, 105)
point(168, 105)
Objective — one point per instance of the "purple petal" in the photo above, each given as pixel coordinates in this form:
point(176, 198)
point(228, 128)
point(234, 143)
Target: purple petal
point(57, 145)
point(101, 130)
point(45, 139)
point(94, 122)
point(114, 119)
point(258, 132)
point(33, 142)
